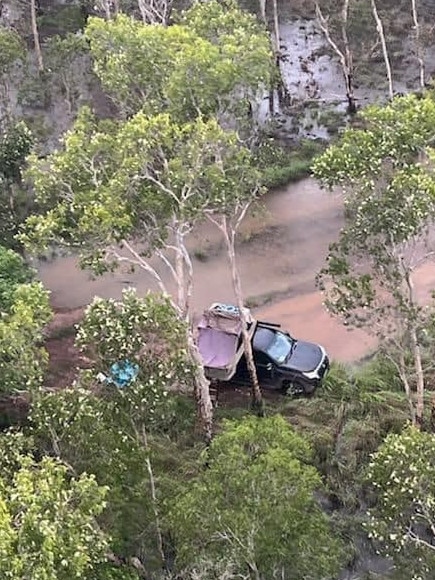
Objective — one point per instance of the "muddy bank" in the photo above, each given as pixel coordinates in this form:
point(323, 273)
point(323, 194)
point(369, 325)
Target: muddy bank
point(280, 251)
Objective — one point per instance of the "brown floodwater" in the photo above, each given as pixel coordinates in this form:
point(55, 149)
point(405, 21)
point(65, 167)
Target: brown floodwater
point(280, 251)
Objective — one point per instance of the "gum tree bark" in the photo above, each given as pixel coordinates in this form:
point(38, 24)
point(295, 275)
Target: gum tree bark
point(35, 34)
point(381, 33)
point(229, 232)
point(418, 45)
point(345, 55)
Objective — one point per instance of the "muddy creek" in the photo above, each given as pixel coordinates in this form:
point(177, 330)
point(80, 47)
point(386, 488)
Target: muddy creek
point(279, 253)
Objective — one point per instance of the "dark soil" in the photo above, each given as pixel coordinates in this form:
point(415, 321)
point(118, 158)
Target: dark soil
point(64, 357)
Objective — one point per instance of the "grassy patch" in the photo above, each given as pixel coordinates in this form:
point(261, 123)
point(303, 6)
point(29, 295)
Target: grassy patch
point(332, 120)
point(201, 255)
point(282, 165)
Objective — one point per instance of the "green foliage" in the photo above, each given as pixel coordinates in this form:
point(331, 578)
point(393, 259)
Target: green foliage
point(282, 165)
point(24, 311)
point(92, 434)
point(194, 67)
point(15, 204)
point(13, 271)
point(392, 136)
point(131, 329)
point(15, 144)
point(11, 49)
point(110, 432)
point(347, 420)
point(137, 179)
point(253, 505)
point(47, 518)
point(106, 571)
point(390, 207)
point(402, 476)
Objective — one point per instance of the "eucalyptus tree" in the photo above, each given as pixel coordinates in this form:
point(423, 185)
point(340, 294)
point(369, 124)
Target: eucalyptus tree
point(383, 40)
point(108, 428)
point(121, 192)
point(389, 195)
point(227, 212)
point(210, 63)
point(344, 52)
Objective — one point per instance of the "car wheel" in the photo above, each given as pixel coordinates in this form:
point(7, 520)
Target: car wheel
point(309, 388)
point(292, 388)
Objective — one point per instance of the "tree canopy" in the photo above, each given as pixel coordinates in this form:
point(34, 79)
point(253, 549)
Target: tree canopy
point(48, 529)
point(24, 310)
point(253, 505)
point(217, 55)
point(402, 520)
point(389, 194)
point(133, 180)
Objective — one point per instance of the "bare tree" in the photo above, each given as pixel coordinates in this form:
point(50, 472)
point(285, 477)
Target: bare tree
point(418, 44)
point(155, 11)
point(345, 55)
point(381, 33)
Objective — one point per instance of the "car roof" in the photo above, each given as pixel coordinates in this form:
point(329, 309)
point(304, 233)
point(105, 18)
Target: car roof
point(263, 338)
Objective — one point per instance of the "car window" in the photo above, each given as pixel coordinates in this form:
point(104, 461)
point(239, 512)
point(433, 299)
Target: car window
point(280, 347)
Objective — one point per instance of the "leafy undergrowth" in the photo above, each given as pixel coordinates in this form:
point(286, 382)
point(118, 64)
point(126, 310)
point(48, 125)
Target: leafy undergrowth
point(345, 420)
point(282, 165)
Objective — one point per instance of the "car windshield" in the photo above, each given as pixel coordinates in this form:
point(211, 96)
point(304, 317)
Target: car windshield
point(280, 347)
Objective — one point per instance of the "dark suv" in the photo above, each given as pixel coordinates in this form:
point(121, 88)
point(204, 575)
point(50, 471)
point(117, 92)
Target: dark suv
point(283, 362)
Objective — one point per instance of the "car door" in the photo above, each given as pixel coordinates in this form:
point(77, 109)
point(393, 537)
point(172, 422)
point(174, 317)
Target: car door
point(265, 368)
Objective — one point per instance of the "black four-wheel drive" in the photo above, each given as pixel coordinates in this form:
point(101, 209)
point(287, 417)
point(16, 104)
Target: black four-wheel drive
point(282, 362)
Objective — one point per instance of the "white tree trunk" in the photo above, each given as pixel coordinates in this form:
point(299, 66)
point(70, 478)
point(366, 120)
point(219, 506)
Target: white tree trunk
point(201, 390)
point(201, 384)
point(415, 351)
point(277, 53)
point(155, 11)
point(159, 537)
point(404, 378)
point(179, 269)
point(381, 33)
point(346, 57)
point(263, 11)
point(276, 28)
point(35, 34)
point(229, 236)
point(416, 354)
point(257, 399)
point(418, 45)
